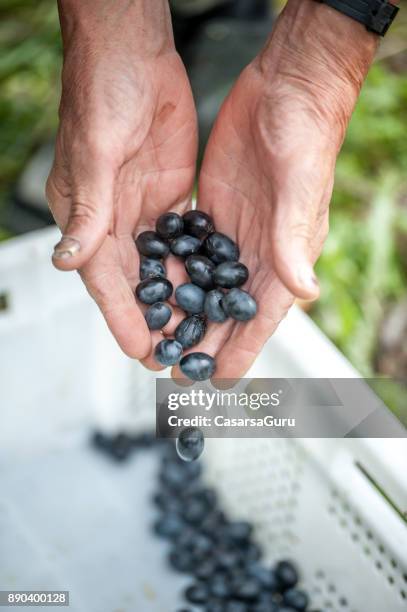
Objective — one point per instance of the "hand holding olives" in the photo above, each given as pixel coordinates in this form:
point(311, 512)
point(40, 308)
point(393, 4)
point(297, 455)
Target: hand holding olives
point(214, 294)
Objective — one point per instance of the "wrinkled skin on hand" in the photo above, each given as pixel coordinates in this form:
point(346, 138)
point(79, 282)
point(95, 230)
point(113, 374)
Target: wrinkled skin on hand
point(125, 154)
point(268, 174)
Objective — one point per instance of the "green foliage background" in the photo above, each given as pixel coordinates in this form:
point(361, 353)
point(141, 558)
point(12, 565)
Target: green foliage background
point(30, 52)
point(363, 269)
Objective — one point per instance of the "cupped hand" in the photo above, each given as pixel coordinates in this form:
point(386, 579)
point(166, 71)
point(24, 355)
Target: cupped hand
point(268, 173)
point(125, 154)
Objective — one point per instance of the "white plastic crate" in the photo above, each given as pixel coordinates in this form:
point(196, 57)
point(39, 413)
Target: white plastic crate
point(71, 520)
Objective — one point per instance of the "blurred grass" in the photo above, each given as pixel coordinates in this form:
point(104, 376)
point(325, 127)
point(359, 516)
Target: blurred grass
point(363, 269)
point(30, 52)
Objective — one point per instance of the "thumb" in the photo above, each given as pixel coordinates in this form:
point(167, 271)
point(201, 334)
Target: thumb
point(293, 237)
point(294, 267)
point(303, 183)
point(84, 215)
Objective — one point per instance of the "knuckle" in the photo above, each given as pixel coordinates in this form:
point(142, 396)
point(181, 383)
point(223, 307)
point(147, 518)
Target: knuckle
point(300, 230)
point(83, 211)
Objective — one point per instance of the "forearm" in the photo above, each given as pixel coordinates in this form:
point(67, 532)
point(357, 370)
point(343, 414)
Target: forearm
point(108, 46)
point(140, 27)
point(322, 52)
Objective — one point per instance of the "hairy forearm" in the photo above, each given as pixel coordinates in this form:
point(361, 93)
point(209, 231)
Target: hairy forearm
point(139, 27)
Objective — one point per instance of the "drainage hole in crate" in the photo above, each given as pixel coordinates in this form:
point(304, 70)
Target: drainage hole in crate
point(4, 302)
point(364, 537)
point(403, 594)
point(328, 589)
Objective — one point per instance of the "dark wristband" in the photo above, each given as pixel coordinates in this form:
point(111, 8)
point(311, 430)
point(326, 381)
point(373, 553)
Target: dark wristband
point(376, 15)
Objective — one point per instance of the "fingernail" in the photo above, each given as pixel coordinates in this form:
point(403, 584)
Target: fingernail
point(66, 248)
point(308, 279)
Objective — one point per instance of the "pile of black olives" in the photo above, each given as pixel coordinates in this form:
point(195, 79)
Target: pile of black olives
point(219, 554)
point(214, 294)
